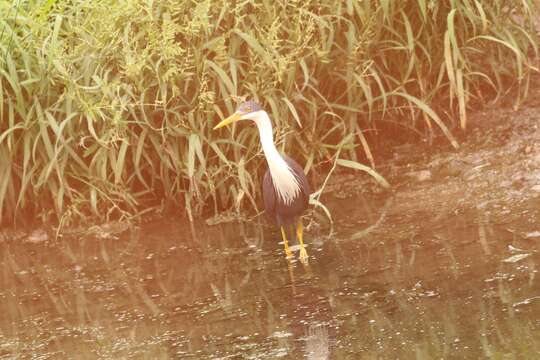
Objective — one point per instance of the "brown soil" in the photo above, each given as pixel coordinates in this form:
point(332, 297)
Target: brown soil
point(495, 172)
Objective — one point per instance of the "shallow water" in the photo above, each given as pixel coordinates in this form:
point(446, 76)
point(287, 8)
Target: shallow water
point(414, 286)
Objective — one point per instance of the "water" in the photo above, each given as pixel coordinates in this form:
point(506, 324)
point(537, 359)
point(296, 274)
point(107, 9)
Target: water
point(412, 286)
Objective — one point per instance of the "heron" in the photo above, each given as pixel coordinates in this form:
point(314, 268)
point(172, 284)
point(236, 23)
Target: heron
point(285, 187)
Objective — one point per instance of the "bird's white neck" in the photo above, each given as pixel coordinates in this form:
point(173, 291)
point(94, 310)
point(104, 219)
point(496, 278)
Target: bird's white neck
point(285, 182)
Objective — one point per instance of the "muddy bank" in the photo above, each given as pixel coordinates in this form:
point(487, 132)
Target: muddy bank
point(496, 172)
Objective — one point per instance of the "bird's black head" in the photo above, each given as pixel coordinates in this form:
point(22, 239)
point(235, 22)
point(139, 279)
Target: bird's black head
point(248, 107)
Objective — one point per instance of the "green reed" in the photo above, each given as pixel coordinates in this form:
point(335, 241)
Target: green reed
point(107, 106)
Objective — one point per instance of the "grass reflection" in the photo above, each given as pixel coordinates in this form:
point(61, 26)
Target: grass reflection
point(214, 292)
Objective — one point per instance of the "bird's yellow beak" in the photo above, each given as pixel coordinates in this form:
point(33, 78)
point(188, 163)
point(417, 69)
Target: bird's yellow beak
point(234, 117)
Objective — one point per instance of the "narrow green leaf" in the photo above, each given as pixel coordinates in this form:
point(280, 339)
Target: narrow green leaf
point(425, 108)
point(293, 110)
point(449, 62)
point(256, 47)
point(507, 45)
point(423, 9)
point(193, 142)
point(357, 166)
point(461, 99)
point(317, 203)
point(120, 161)
point(223, 77)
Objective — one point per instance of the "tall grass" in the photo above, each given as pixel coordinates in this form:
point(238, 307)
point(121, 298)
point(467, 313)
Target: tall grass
point(107, 106)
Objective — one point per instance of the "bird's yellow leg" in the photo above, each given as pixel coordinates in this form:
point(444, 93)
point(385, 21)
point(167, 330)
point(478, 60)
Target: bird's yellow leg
point(300, 237)
point(288, 253)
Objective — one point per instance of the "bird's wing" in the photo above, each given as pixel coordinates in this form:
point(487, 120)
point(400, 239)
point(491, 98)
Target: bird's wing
point(300, 175)
point(269, 194)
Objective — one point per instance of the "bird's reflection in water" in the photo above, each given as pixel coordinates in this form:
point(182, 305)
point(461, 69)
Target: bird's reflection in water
point(293, 268)
point(317, 343)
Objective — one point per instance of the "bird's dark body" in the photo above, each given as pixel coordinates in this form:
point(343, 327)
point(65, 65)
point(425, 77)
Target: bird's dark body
point(286, 214)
